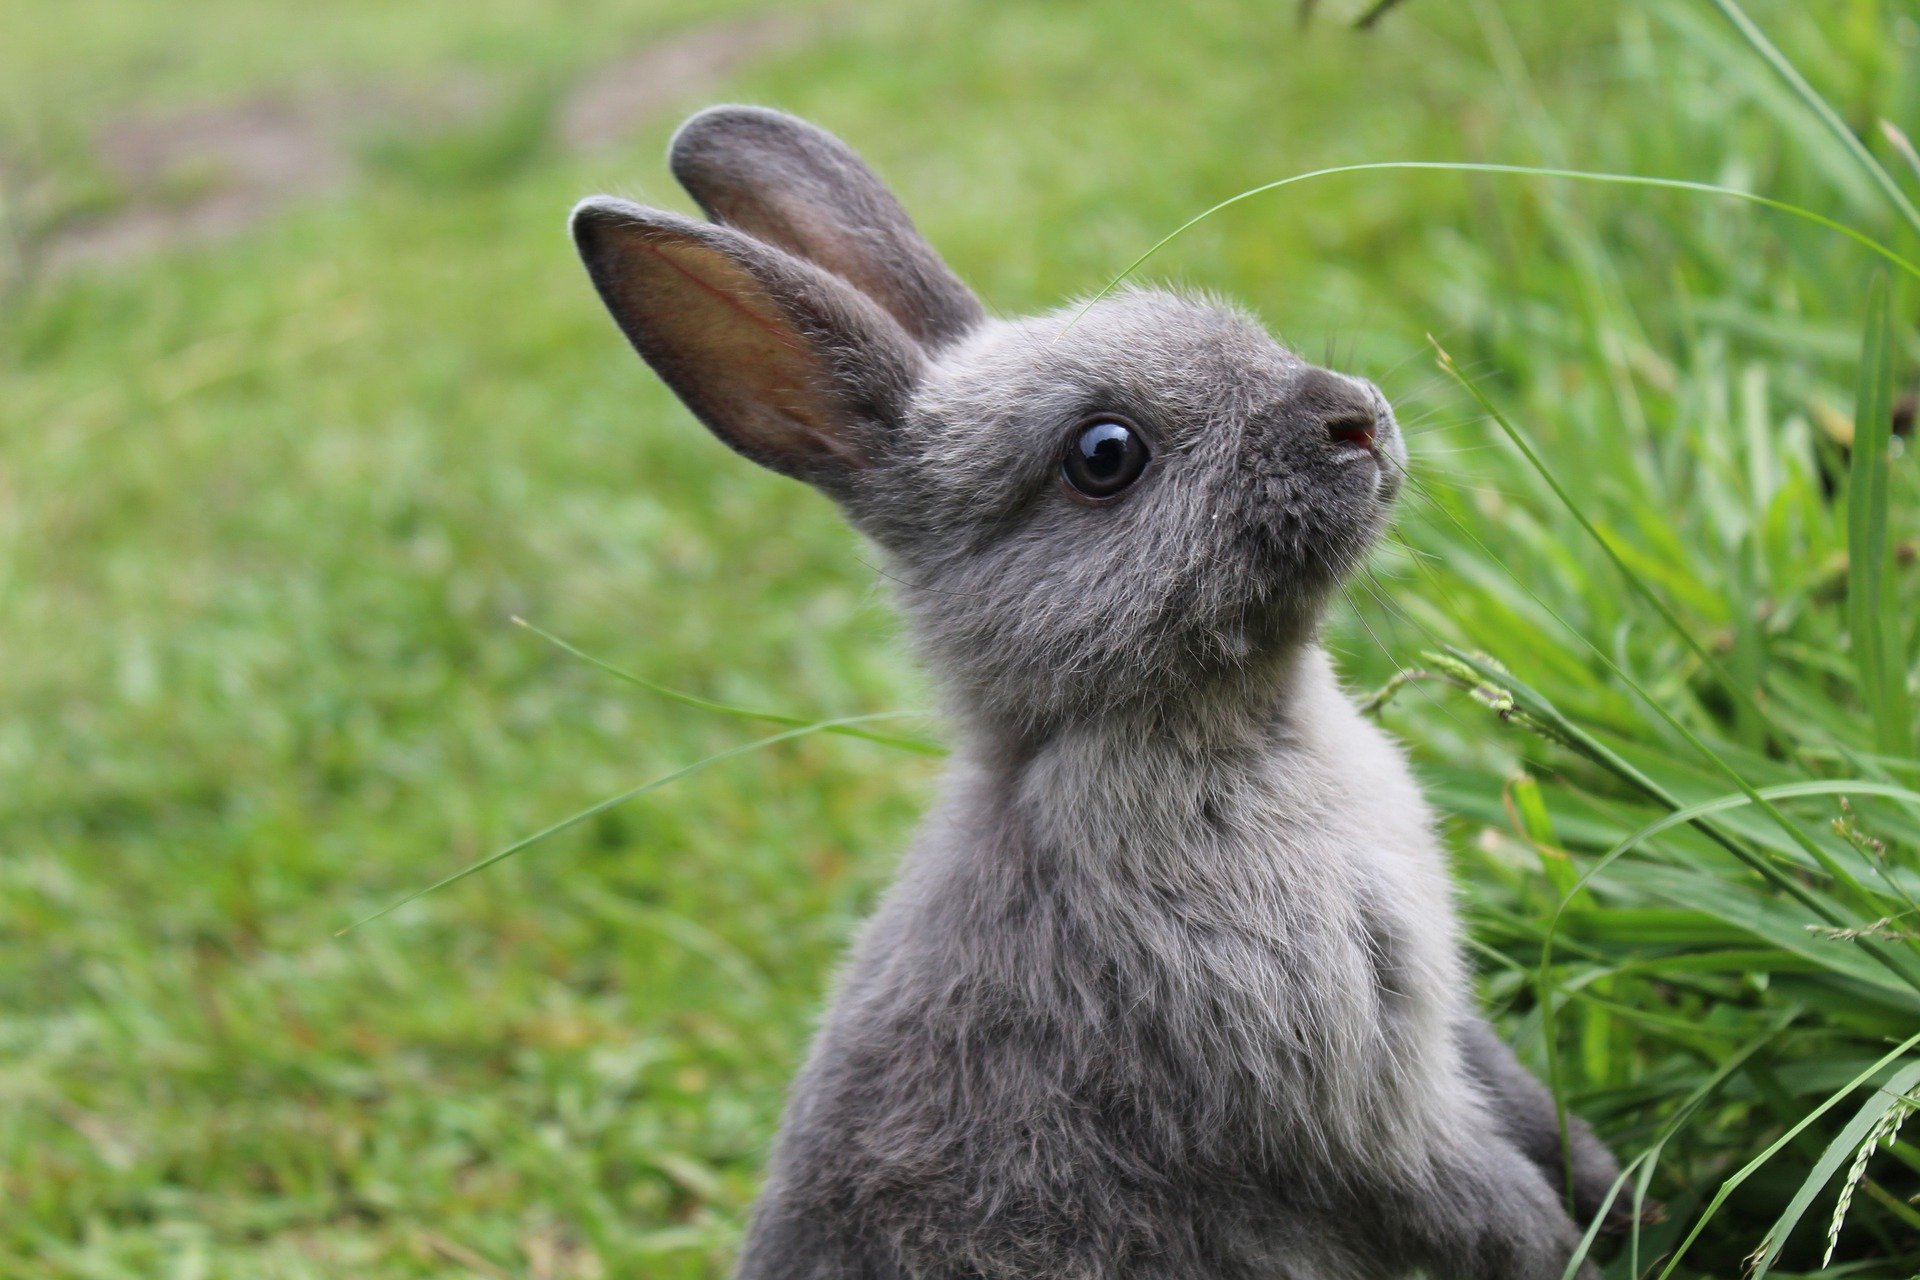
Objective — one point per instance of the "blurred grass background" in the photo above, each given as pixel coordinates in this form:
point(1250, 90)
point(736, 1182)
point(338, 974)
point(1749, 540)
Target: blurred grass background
point(303, 396)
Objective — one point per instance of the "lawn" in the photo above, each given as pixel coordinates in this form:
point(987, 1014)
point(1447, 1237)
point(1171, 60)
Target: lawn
point(304, 398)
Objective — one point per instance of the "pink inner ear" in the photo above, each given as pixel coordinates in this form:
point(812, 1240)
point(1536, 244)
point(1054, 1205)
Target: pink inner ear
point(779, 332)
point(722, 339)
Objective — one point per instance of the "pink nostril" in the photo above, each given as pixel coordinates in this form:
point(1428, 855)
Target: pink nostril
point(1354, 431)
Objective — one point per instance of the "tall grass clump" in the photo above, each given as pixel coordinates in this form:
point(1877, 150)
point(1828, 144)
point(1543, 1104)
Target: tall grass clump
point(1653, 610)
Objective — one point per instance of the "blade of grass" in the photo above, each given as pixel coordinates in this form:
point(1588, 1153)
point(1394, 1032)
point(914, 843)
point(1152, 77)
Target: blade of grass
point(1633, 577)
point(1513, 170)
point(1766, 920)
point(1681, 1029)
point(1688, 814)
point(1900, 142)
point(916, 745)
point(1785, 791)
point(1894, 1204)
point(1872, 612)
point(1901, 963)
point(1641, 1167)
point(1747, 1170)
point(1785, 69)
point(821, 726)
point(1904, 964)
point(1747, 81)
point(1838, 1152)
point(1368, 20)
point(1514, 700)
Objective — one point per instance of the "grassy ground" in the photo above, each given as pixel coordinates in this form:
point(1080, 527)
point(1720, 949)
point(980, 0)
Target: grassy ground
point(266, 508)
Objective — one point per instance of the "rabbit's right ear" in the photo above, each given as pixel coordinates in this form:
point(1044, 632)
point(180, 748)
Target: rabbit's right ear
point(784, 362)
point(794, 185)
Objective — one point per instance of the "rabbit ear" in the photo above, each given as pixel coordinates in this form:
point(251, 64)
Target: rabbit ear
point(784, 362)
point(799, 187)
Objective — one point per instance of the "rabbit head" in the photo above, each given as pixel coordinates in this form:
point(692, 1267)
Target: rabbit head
point(1132, 505)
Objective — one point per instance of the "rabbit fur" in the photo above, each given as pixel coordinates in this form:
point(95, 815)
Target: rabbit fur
point(1168, 984)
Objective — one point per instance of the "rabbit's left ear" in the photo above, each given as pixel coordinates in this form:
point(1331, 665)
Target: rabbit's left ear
point(796, 186)
point(787, 364)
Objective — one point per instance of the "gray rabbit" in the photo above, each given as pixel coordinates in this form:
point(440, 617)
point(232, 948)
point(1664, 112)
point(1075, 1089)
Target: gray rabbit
point(1168, 985)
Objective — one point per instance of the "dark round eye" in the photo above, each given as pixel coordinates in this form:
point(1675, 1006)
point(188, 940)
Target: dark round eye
point(1104, 457)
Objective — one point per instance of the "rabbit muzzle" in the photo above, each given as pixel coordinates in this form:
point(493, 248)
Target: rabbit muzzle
point(1326, 432)
point(1350, 413)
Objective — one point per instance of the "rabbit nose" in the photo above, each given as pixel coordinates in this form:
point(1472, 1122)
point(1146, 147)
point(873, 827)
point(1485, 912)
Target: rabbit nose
point(1346, 409)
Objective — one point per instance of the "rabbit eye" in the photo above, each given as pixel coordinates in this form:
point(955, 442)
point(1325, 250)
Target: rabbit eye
point(1103, 457)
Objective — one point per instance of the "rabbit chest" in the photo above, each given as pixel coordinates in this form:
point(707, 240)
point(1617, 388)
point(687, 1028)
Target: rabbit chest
point(1224, 952)
point(1263, 930)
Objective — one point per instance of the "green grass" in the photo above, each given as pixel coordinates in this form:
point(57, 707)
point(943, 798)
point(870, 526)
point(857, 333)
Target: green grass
point(267, 509)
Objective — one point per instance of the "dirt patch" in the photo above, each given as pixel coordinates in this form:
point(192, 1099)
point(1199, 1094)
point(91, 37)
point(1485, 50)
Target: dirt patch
point(614, 103)
point(204, 176)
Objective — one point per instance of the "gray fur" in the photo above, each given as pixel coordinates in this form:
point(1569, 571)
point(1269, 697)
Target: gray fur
point(1168, 985)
